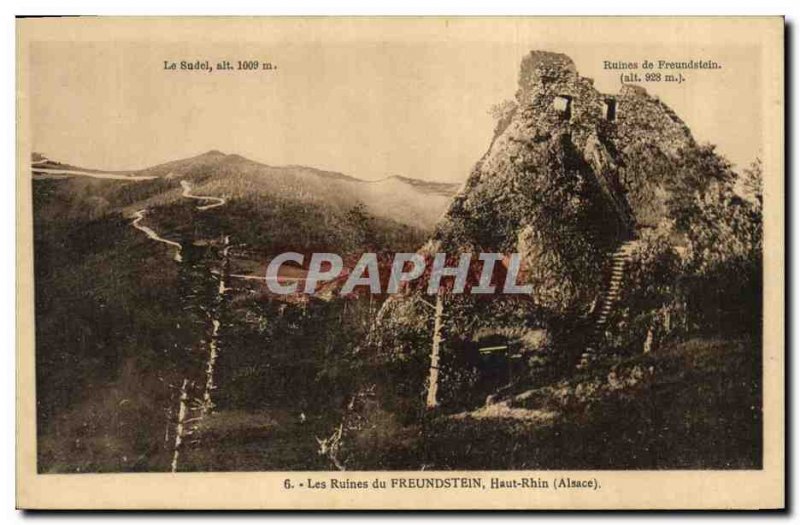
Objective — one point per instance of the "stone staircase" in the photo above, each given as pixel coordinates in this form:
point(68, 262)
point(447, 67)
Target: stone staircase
point(619, 262)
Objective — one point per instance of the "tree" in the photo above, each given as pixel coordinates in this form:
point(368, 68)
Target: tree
point(362, 223)
point(720, 214)
point(433, 375)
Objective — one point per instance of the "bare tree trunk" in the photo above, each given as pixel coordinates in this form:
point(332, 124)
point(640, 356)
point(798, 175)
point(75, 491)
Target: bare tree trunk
point(648, 342)
point(169, 423)
point(180, 428)
point(330, 446)
point(213, 345)
point(433, 379)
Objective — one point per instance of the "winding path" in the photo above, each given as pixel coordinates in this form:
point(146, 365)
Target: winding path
point(215, 202)
point(278, 278)
point(191, 412)
point(139, 215)
point(92, 174)
point(187, 188)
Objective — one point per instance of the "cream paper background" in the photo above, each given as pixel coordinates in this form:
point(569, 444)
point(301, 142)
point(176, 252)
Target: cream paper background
point(751, 51)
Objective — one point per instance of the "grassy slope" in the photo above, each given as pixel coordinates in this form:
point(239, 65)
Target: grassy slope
point(111, 321)
point(691, 405)
point(695, 404)
point(106, 339)
point(407, 201)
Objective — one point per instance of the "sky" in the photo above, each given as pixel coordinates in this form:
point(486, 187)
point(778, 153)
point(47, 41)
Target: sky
point(365, 108)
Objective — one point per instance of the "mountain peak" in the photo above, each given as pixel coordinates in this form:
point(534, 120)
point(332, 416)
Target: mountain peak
point(213, 153)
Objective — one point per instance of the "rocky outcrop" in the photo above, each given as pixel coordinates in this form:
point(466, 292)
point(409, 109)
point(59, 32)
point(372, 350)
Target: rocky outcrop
point(570, 175)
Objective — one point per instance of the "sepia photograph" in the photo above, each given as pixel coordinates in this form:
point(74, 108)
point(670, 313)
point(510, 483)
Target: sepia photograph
point(408, 257)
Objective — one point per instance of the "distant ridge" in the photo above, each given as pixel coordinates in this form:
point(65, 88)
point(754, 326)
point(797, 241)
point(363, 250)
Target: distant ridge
point(442, 188)
point(410, 201)
point(217, 156)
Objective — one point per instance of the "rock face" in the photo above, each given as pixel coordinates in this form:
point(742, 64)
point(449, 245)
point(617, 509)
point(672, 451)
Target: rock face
point(570, 174)
point(562, 180)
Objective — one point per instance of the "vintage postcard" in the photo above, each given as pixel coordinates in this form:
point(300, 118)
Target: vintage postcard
point(400, 263)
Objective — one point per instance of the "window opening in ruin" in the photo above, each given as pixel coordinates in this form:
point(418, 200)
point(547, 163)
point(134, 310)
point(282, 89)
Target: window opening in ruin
point(563, 104)
point(610, 109)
